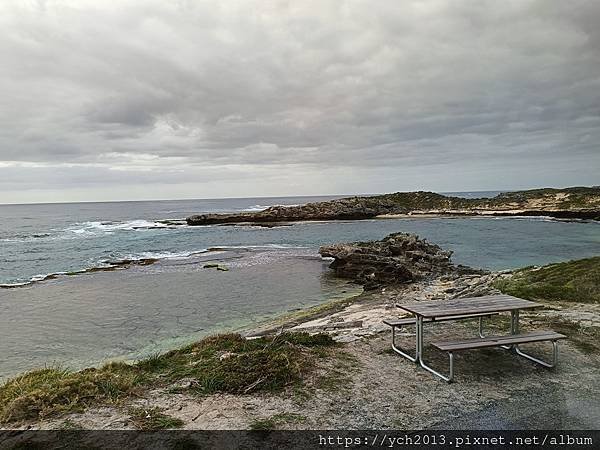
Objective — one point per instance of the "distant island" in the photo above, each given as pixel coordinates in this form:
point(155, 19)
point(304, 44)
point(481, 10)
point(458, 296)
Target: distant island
point(567, 203)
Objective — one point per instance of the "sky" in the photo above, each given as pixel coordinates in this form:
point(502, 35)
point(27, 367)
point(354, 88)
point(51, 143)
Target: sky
point(154, 99)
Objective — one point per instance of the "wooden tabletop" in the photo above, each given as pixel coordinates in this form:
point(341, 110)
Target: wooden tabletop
point(470, 305)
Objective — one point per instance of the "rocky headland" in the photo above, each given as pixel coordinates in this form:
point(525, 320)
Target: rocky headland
point(397, 258)
point(568, 203)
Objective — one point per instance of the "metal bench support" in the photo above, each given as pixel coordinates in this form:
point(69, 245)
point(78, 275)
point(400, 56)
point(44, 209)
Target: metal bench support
point(519, 352)
point(514, 329)
point(415, 358)
point(481, 335)
point(398, 350)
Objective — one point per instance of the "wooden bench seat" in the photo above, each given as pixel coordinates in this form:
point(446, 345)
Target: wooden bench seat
point(399, 323)
point(412, 321)
point(510, 342)
point(497, 341)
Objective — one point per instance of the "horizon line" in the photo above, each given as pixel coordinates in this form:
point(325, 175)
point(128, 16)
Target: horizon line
point(260, 196)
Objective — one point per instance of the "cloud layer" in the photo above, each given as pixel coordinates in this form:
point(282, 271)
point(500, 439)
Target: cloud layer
point(159, 99)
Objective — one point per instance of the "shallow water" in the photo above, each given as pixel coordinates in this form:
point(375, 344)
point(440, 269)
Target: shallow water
point(36, 240)
point(84, 319)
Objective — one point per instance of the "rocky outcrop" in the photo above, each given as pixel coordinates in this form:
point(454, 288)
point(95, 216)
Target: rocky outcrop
point(569, 203)
point(398, 258)
point(343, 209)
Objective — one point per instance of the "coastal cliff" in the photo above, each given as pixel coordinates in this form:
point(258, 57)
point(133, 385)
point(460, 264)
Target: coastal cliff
point(568, 203)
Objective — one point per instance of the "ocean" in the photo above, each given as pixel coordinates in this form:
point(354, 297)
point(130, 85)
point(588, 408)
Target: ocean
point(57, 308)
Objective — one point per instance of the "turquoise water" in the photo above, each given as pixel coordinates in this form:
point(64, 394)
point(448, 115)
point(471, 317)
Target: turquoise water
point(36, 240)
point(84, 320)
point(88, 318)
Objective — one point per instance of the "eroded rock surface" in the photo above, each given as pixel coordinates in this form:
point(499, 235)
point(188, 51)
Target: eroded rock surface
point(397, 258)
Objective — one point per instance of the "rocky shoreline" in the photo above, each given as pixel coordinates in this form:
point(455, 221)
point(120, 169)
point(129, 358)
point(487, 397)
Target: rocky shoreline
point(354, 389)
point(568, 203)
point(352, 380)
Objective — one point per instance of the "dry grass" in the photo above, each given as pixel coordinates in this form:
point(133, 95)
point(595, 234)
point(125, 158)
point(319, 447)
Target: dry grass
point(48, 391)
point(153, 419)
point(223, 363)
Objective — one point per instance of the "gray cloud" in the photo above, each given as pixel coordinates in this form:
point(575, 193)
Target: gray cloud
point(397, 95)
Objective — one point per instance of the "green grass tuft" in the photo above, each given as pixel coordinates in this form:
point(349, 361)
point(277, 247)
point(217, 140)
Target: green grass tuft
point(230, 363)
point(223, 363)
point(572, 281)
point(48, 391)
point(153, 419)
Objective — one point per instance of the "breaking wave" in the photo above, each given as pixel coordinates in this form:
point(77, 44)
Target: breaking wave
point(107, 226)
point(95, 228)
point(256, 208)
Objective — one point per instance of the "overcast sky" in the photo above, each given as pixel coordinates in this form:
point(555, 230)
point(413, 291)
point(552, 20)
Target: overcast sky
point(116, 100)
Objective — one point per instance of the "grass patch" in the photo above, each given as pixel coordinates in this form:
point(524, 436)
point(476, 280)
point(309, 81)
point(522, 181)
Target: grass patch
point(230, 363)
point(68, 424)
point(572, 281)
point(223, 363)
point(40, 393)
point(153, 419)
point(274, 421)
point(322, 310)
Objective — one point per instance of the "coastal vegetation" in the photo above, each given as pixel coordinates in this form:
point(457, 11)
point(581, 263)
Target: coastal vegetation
point(222, 363)
point(153, 419)
point(568, 203)
point(571, 281)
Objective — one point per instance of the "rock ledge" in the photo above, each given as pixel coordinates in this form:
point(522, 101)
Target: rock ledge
point(397, 258)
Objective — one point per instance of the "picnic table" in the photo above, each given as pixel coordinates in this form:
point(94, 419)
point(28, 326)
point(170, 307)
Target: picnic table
point(471, 308)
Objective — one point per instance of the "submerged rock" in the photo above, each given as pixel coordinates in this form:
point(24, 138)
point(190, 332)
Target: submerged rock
point(215, 266)
point(397, 258)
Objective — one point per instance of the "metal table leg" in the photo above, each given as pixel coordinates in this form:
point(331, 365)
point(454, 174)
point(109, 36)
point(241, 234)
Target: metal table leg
point(401, 352)
point(514, 321)
point(514, 329)
point(420, 347)
point(519, 352)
